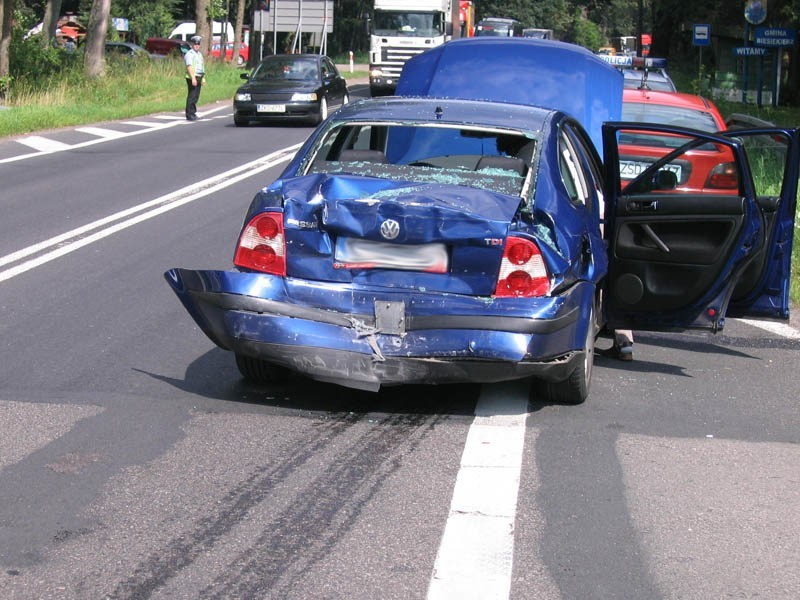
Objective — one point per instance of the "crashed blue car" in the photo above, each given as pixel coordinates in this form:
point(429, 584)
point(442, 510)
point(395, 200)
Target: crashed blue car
point(454, 234)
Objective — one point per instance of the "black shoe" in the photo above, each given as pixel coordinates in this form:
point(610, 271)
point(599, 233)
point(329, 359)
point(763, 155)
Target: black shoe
point(619, 352)
point(624, 352)
point(191, 117)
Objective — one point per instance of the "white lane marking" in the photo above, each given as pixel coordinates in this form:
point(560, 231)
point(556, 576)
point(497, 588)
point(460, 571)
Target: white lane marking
point(143, 123)
point(773, 327)
point(46, 146)
point(77, 238)
point(101, 132)
point(475, 556)
point(42, 144)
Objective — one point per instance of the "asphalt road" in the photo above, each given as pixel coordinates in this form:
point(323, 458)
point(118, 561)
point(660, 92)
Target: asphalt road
point(136, 463)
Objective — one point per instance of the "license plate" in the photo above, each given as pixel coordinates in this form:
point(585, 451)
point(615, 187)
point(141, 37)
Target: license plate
point(631, 169)
point(275, 108)
point(354, 253)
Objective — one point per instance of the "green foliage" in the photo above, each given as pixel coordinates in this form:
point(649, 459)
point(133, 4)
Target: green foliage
point(147, 18)
point(585, 33)
point(155, 21)
point(132, 88)
point(30, 63)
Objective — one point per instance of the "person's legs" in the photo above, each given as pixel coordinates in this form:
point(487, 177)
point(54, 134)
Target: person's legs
point(192, 96)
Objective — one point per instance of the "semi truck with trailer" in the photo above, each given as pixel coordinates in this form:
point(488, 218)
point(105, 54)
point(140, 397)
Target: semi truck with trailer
point(399, 30)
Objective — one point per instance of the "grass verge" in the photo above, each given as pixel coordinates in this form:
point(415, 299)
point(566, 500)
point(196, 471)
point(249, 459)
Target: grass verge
point(132, 88)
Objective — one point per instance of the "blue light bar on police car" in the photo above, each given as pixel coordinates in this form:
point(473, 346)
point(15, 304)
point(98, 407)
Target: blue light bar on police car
point(634, 62)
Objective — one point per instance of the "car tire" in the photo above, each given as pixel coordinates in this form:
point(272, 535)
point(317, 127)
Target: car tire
point(239, 121)
point(575, 388)
point(323, 110)
point(260, 371)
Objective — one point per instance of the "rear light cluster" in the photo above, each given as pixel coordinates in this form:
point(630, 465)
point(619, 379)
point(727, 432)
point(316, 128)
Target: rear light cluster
point(522, 271)
point(262, 246)
point(724, 176)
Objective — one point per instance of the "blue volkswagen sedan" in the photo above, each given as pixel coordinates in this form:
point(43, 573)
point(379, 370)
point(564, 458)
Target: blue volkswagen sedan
point(442, 237)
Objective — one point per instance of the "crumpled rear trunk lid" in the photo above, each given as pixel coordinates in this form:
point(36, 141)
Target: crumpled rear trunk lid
point(399, 234)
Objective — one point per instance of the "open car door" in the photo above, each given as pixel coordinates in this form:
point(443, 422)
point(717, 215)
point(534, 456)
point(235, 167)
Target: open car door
point(698, 225)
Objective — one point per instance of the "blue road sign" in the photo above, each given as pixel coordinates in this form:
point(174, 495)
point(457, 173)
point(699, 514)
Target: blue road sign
point(750, 51)
point(702, 35)
point(775, 37)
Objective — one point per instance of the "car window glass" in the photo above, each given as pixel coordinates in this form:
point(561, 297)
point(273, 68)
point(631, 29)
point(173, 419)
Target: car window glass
point(571, 172)
point(695, 166)
point(447, 154)
point(668, 115)
point(766, 156)
point(591, 165)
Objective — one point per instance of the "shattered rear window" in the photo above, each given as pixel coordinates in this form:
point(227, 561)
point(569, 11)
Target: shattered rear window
point(491, 159)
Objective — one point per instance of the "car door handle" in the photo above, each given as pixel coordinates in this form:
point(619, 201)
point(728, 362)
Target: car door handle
point(643, 205)
point(654, 238)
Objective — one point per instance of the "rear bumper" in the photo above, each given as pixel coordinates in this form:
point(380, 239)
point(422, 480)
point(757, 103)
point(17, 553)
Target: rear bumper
point(432, 337)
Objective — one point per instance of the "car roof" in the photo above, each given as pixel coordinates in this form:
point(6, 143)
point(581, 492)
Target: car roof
point(503, 20)
point(448, 110)
point(285, 57)
point(659, 76)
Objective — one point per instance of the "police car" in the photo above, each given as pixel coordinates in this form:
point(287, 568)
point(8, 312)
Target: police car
point(642, 73)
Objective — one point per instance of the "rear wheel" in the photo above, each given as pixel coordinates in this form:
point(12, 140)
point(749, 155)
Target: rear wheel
point(575, 388)
point(260, 371)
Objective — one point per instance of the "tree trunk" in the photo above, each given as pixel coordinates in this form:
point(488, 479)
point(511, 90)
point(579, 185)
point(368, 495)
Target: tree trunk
point(94, 60)
point(51, 12)
point(201, 25)
point(237, 30)
point(6, 18)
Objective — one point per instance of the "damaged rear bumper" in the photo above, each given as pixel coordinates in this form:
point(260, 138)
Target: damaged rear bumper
point(367, 338)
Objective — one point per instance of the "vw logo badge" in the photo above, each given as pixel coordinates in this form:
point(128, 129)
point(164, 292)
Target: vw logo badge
point(390, 229)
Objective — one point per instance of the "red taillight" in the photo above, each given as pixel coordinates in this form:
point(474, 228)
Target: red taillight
point(262, 246)
point(522, 270)
point(724, 177)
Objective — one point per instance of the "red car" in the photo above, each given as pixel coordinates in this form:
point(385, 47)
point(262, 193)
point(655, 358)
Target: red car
point(706, 168)
point(244, 52)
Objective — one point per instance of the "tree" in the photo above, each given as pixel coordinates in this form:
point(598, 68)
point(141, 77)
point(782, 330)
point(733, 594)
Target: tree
point(147, 18)
point(585, 33)
point(237, 30)
point(202, 25)
point(6, 26)
point(52, 11)
point(94, 57)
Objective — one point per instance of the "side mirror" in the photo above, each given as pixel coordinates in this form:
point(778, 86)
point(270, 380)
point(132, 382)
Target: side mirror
point(244, 76)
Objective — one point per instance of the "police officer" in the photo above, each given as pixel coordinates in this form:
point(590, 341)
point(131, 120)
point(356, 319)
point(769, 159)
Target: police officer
point(194, 77)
